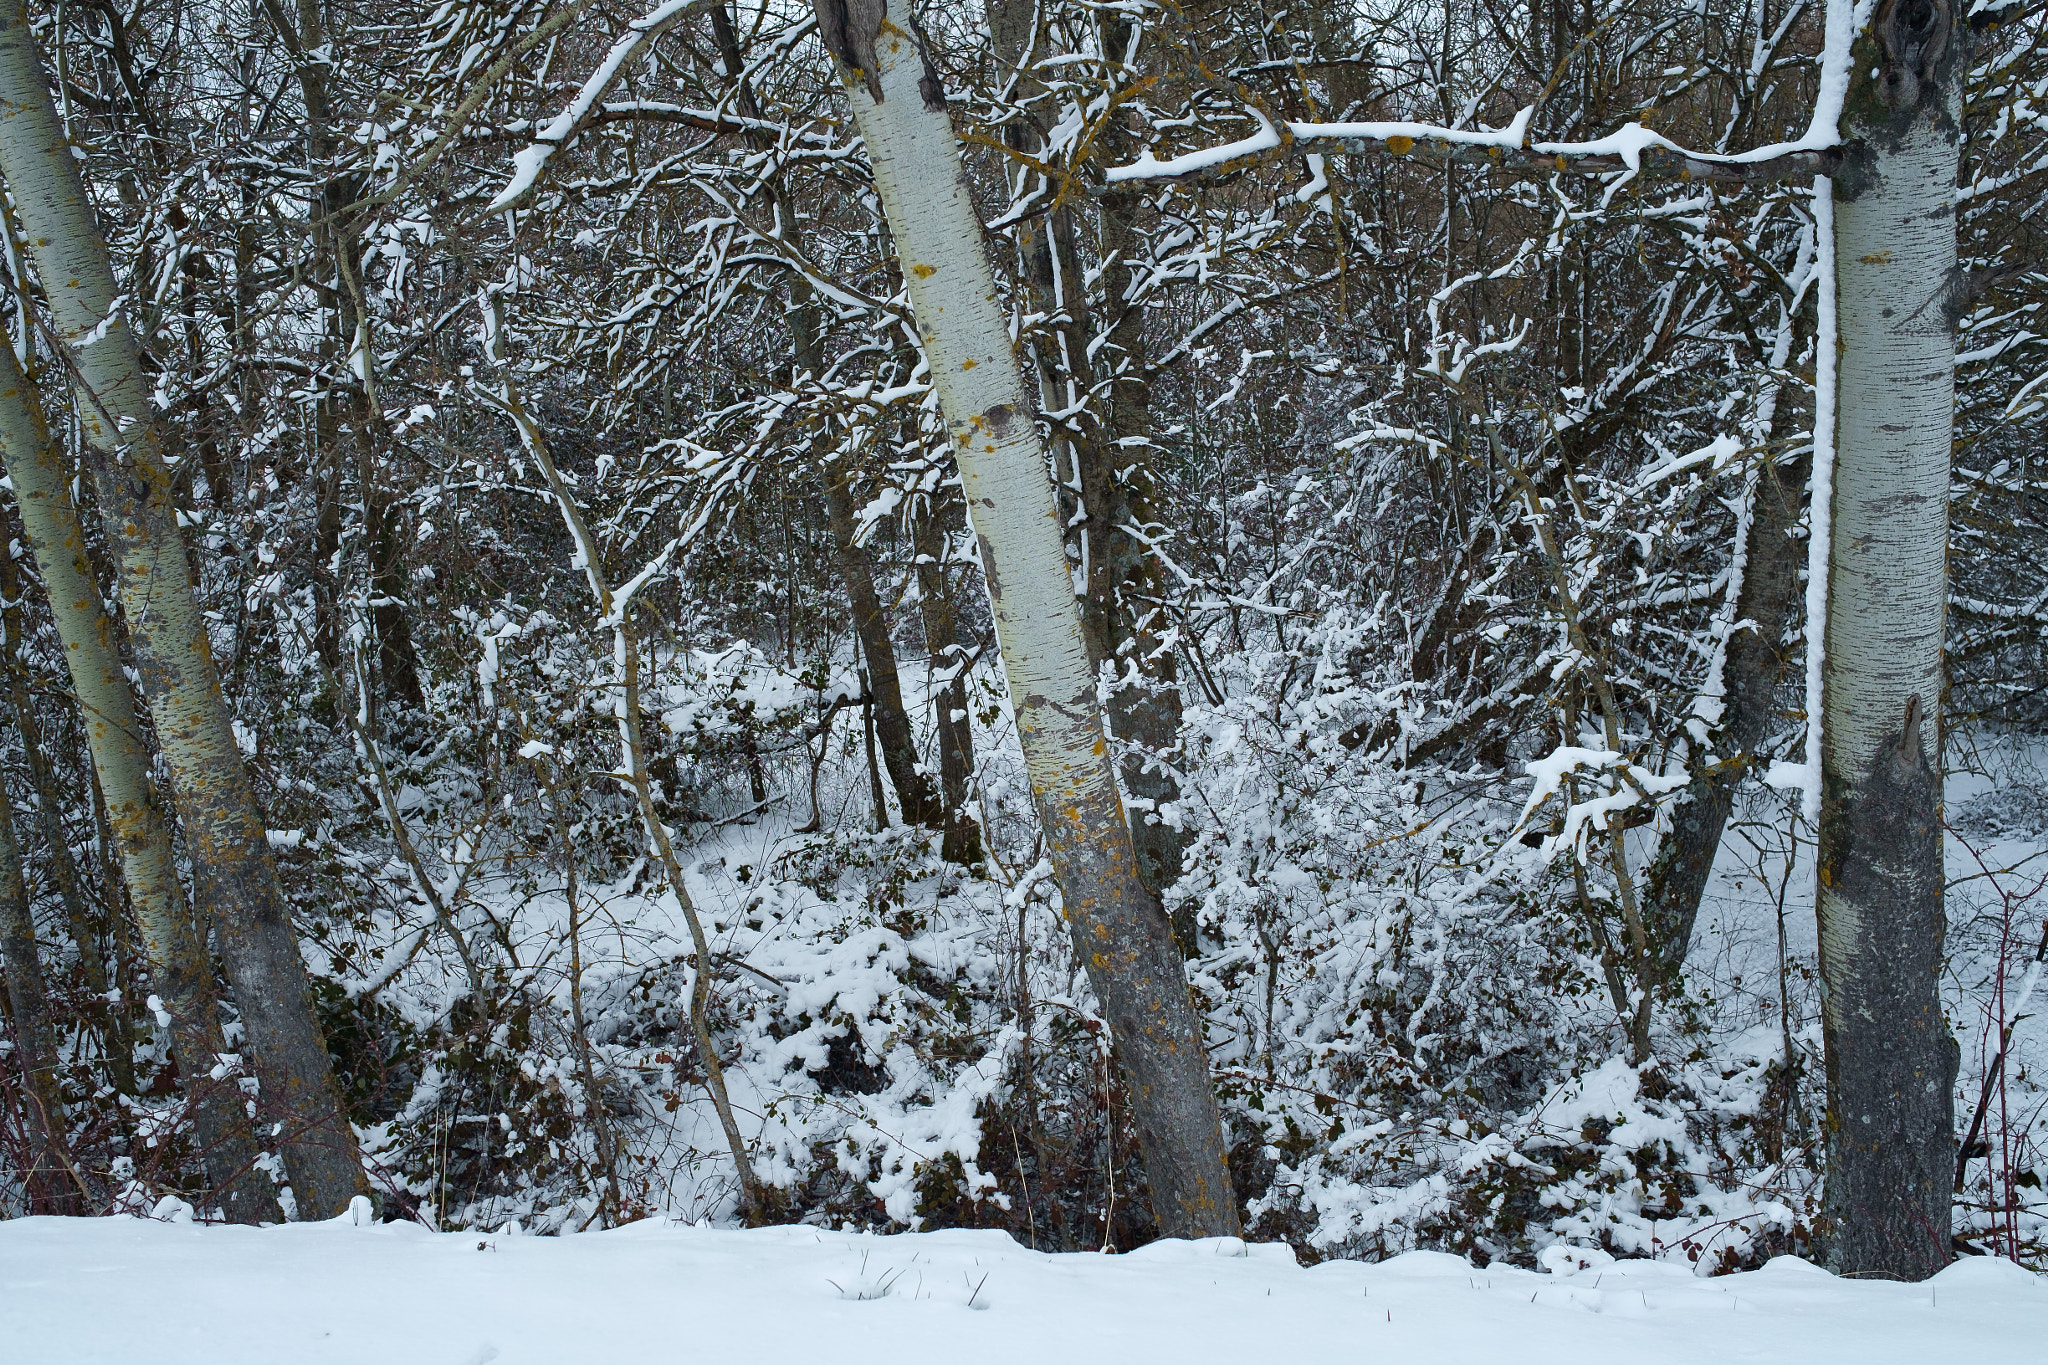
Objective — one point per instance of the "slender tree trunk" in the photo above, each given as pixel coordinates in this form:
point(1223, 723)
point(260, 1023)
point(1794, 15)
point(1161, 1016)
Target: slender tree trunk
point(231, 851)
point(885, 688)
point(337, 276)
point(613, 1205)
point(1145, 711)
point(1118, 925)
point(758, 1201)
point(398, 660)
point(50, 1185)
point(61, 867)
point(1891, 1063)
point(1125, 585)
point(962, 844)
point(888, 722)
point(1751, 672)
point(140, 832)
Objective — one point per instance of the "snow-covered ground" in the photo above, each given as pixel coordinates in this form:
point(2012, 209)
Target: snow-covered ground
point(74, 1291)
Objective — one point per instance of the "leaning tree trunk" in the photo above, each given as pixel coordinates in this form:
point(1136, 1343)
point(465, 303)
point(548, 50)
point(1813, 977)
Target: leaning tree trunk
point(1752, 668)
point(48, 1181)
point(216, 800)
point(1118, 926)
point(759, 1200)
point(177, 954)
point(1891, 1062)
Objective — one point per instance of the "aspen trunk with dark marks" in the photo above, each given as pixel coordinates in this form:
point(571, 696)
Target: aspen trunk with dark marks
point(215, 797)
point(136, 821)
point(1119, 929)
point(48, 1181)
point(885, 687)
point(1891, 1063)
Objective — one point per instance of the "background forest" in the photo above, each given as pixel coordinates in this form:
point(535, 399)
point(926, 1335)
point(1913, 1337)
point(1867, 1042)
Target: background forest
point(1440, 530)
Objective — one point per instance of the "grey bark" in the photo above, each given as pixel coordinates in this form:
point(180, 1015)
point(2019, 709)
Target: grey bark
point(136, 820)
point(48, 1181)
point(1755, 663)
point(1107, 448)
point(941, 619)
point(216, 800)
point(1120, 931)
point(1891, 1063)
point(59, 865)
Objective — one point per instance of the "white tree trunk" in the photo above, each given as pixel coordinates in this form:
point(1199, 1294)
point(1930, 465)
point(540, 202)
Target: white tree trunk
point(216, 801)
point(1119, 928)
point(1890, 1059)
point(170, 941)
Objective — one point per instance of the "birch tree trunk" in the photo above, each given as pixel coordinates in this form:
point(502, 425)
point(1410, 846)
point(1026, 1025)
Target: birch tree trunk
point(1119, 929)
point(231, 851)
point(170, 940)
point(1891, 1063)
point(48, 1181)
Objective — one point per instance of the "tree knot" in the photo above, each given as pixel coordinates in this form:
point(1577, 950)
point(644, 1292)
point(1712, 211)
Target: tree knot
point(848, 28)
point(1913, 35)
point(1911, 753)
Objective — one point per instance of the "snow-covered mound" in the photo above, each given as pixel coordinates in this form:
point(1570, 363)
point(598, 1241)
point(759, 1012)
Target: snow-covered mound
point(127, 1289)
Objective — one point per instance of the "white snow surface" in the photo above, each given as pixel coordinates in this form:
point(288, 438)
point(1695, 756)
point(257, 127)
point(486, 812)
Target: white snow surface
point(80, 1290)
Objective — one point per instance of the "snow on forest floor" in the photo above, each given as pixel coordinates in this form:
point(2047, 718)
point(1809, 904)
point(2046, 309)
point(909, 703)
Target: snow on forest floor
point(128, 1289)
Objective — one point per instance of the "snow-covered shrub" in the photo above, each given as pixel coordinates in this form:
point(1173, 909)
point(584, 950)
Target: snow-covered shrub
point(1408, 1019)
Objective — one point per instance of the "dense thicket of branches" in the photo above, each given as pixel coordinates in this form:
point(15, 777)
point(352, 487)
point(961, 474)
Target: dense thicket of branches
point(1398, 481)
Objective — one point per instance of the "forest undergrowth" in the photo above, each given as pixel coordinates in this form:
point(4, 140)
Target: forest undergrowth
point(564, 486)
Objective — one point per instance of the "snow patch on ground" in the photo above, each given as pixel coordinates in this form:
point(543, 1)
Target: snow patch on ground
point(127, 1289)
